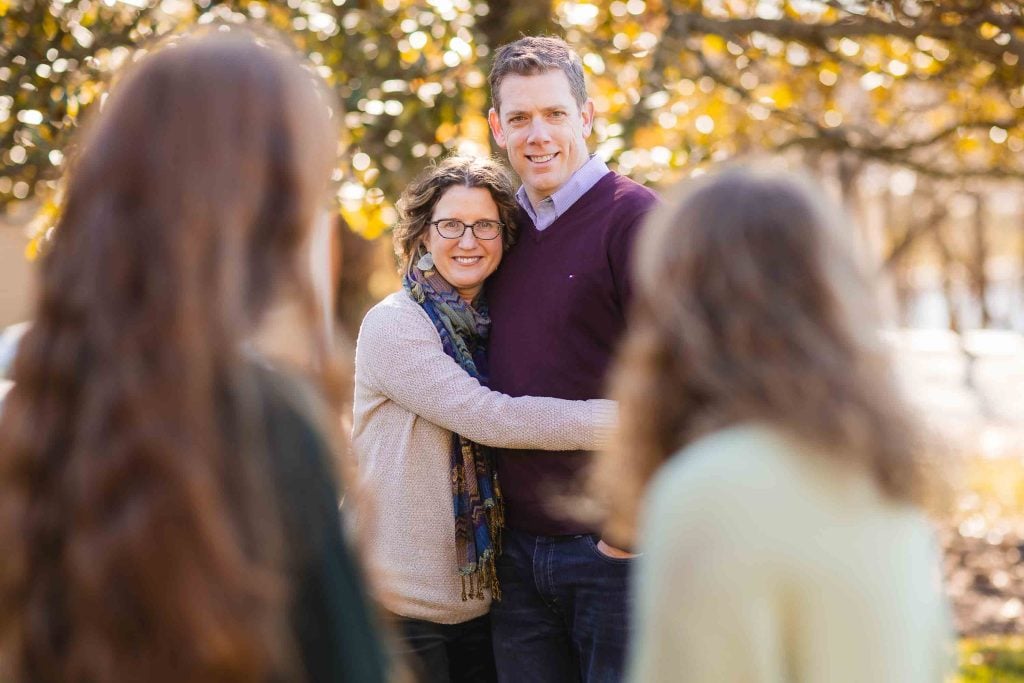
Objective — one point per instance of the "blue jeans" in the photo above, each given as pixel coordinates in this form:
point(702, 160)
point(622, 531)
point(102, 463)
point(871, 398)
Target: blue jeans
point(563, 616)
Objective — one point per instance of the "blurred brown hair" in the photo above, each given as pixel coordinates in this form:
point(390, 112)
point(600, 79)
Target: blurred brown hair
point(138, 542)
point(751, 308)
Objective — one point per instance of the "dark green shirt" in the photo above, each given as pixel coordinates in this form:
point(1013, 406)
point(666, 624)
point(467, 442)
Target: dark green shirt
point(335, 630)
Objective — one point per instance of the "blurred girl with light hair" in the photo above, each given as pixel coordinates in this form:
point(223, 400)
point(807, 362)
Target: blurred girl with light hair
point(775, 461)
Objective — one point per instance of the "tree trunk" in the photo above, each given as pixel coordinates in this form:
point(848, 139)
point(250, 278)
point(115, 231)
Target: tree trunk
point(848, 168)
point(948, 289)
point(509, 21)
point(354, 259)
point(979, 257)
point(895, 263)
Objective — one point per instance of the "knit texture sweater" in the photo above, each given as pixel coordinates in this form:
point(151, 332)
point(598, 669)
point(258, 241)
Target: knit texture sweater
point(409, 398)
point(558, 309)
point(765, 561)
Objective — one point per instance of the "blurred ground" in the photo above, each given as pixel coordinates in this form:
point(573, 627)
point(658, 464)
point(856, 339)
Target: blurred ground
point(971, 394)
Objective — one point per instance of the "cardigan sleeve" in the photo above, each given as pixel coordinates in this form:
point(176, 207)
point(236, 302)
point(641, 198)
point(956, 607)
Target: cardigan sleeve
point(399, 355)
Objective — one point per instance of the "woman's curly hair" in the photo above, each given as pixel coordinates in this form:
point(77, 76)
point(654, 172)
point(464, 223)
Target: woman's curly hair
point(416, 206)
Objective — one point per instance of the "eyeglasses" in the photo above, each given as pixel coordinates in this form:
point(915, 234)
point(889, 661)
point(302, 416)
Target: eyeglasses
point(453, 228)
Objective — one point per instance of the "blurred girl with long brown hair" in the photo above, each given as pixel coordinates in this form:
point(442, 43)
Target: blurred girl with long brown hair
point(762, 429)
point(167, 508)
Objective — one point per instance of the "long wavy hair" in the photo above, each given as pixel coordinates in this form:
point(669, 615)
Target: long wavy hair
point(750, 307)
point(140, 541)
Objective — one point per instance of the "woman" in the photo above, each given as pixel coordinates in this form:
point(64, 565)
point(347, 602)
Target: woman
point(780, 538)
point(424, 419)
point(168, 510)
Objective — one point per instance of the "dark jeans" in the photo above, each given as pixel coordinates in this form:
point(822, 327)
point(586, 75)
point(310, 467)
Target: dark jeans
point(564, 611)
point(448, 653)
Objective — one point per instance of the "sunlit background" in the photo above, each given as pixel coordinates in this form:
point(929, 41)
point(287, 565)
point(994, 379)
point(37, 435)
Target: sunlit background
point(908, 112)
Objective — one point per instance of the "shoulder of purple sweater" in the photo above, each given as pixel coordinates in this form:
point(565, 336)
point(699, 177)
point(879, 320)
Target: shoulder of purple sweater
point(630, 202)
point(629, 191)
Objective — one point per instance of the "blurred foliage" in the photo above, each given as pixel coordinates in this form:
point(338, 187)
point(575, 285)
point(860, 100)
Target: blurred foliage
point(406, 75)
point(991, 660)
point(934, 86)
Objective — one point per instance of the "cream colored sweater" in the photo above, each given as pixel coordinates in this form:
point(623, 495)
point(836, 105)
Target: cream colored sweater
point(409, 397)
point(766, 562)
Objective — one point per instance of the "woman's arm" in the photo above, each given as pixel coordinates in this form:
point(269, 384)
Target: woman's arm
point(399, 355)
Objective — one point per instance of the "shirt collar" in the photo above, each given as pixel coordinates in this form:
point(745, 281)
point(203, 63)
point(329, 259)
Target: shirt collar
point(579, 183)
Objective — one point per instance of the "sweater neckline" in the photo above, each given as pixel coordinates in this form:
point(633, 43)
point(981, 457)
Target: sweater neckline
point(539, 235)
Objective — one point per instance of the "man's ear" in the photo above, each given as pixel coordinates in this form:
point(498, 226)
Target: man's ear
point(587, 114)
point(495, 122)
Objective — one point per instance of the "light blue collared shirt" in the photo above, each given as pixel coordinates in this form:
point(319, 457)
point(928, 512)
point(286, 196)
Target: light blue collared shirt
point(553, 206)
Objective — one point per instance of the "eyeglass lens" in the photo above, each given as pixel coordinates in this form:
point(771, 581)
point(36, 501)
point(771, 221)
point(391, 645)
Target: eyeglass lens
point(453, 228)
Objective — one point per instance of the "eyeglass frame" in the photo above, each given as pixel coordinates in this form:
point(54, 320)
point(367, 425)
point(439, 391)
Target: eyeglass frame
point(467, 226)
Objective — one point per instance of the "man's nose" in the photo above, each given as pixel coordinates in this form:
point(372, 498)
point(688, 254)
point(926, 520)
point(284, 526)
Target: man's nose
point(538, 131)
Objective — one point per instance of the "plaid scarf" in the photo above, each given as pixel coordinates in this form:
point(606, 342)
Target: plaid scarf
point(479, 513)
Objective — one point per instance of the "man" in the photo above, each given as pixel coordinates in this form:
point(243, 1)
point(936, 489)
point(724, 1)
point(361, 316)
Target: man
point(558, 306)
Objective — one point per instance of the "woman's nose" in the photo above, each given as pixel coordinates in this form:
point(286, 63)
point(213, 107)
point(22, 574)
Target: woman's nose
point(468, 239)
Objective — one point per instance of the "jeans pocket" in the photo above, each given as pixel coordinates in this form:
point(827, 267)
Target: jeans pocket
point(592, 544)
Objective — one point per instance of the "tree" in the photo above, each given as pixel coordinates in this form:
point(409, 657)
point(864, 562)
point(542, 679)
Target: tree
point(932, 87)
point(935, 87)
point(407, 78)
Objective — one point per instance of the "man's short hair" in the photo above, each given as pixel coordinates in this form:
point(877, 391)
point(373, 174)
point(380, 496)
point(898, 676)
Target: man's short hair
point(535, 55)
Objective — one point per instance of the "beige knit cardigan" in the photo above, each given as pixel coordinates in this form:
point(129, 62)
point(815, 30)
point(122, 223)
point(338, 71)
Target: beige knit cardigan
point(409, 397)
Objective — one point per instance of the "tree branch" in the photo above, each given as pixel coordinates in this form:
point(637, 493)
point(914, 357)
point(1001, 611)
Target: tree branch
point(851, 26)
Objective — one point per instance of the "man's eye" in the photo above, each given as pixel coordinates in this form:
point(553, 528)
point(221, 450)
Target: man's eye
point(557, 114)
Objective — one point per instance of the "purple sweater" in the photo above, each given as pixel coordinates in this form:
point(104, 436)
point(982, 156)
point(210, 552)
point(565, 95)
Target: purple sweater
point(558, 311)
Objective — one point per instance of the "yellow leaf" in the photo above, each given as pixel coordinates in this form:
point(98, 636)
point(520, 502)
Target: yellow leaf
point(714, 44)
point(989, 31)
point(966, 145)
point(367, 220)
point(475, 128)
point(782, 96)
point(645, 138)
point(49, 26)
point(446, 131)
point(4, 6)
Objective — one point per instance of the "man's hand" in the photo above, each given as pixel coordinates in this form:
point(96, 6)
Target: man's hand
point(612, 551)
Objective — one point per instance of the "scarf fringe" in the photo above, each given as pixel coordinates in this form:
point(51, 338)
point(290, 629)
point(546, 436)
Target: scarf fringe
point(484, 576)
